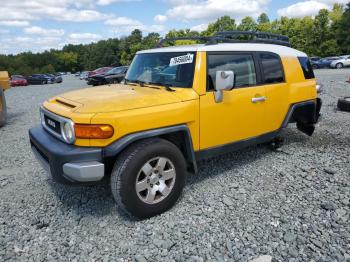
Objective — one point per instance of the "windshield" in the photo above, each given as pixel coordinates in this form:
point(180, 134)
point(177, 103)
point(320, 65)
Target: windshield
point(166, 69)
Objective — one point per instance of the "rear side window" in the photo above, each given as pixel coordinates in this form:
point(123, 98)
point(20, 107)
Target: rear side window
point(241, 64)
point(307, 67)
point(271, 69)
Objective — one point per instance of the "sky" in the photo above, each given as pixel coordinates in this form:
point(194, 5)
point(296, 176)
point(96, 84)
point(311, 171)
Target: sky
point(38, 25)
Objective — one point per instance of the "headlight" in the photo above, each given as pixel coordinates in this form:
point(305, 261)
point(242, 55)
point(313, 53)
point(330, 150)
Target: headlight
point(42, 118)
point(319, 88)
point(68, 132)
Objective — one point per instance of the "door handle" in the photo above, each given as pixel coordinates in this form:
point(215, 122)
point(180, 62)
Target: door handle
point(258, 99)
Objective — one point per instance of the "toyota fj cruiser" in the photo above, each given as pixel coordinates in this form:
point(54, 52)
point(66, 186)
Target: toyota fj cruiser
point(4, 84)
point(178, 105)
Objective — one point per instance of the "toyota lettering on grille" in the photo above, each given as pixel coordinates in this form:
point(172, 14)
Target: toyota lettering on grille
point(51, 123)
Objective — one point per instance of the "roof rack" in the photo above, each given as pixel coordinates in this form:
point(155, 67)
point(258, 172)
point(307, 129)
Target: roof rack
point(205, 39)
point(234, 37)
point(255, 37)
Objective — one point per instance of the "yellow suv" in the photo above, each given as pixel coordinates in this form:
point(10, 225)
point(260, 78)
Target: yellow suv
point(177, 105)
point(4, 84)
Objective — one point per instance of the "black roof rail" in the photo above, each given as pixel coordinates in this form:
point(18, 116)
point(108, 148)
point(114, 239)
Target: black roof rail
point(255, 37)
point(234, 37)
point(205, 39)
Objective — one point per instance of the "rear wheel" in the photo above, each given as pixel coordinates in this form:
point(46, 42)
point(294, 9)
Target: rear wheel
point(148, 178)
point(3, 109)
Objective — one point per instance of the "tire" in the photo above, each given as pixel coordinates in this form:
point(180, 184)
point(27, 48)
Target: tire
point(43, 82)
point(339, 66)
point(315, 66)
point(344, 104)
point(3, 109)
point(128, 169)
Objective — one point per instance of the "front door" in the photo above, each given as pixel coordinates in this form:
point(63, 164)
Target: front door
point(241, 114)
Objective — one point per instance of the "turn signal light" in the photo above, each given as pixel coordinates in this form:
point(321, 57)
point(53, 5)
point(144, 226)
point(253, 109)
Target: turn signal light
point(93, 131)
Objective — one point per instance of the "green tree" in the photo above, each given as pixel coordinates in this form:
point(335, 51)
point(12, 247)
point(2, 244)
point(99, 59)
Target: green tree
point(224, 23)
point(263, 19)
point(48, 69)
point(343, 31)
point(247, 24)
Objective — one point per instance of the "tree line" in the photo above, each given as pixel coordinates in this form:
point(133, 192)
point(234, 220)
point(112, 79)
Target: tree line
point(326, 34)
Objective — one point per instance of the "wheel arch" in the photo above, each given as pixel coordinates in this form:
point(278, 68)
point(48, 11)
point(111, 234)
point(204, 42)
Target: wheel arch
point(178, 135)
point(305, 114)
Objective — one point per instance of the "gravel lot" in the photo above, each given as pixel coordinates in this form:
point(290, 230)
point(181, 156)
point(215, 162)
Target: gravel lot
point(292, 204)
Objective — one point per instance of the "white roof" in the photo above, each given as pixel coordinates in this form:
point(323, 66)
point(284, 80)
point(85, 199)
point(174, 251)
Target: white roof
point(277, 49)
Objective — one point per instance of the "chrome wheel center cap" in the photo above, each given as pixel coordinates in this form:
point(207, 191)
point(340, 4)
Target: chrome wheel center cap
point(154, 179)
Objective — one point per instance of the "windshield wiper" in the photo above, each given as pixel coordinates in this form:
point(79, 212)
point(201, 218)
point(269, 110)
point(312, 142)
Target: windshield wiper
point(134, 82)
point(149, 84)
point(167, 86)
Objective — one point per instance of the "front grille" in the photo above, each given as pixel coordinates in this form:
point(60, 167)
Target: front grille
point(54, 123)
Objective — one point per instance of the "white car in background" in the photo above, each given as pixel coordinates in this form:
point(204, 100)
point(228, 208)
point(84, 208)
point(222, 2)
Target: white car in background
point(344, 61)
point(84, 75)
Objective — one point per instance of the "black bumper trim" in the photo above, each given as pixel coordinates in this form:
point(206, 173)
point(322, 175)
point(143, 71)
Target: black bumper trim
point(57, 153)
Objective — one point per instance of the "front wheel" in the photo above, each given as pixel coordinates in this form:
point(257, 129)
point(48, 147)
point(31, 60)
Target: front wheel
point(148, 178)
point(339, 65)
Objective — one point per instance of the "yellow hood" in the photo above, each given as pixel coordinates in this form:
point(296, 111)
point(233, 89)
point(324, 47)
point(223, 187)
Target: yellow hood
point(114, 98)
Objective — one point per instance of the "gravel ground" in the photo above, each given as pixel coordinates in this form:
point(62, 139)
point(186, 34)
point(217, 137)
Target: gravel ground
point(292, 204)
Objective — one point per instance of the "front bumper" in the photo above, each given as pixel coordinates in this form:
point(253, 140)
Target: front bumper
point(66, 162)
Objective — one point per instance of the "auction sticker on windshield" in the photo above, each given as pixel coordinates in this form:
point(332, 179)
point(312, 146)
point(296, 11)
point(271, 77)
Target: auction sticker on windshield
point(180, 60)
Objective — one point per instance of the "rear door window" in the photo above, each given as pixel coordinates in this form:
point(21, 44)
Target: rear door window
point(272, 71)
point(307, 67)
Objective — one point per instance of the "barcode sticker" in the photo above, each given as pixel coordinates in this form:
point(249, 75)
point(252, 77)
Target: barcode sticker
point(180, 60)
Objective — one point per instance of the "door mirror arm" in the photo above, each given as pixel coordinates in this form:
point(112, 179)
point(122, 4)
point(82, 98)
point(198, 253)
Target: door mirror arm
point(225, 80)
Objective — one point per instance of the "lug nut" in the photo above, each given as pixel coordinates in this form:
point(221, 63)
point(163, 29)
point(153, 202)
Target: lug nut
point(151, 185)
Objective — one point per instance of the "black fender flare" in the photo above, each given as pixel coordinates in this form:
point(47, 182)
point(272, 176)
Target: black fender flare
point(307, 112)
point(118, 146)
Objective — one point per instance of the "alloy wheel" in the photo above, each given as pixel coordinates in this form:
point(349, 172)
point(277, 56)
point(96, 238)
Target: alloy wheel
point(155, 180)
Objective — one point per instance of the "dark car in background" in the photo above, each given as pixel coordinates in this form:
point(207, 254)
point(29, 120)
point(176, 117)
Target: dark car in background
point(324, 62)
point(51, 78)
point(38, 79)
point(98, 71)
point(18, 80)
point(113, 76)
point(314, 59)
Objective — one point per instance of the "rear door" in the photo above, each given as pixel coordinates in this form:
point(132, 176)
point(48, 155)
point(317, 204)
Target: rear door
point(241, 113)
point(277, 94)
